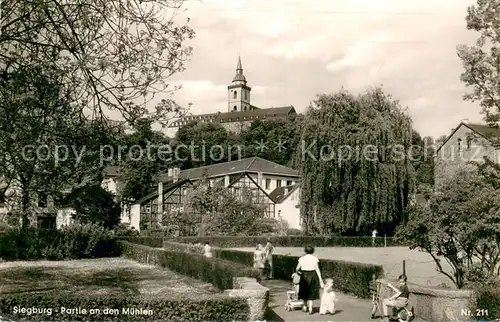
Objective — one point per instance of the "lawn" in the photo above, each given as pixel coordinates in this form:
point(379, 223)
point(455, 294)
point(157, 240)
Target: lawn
point(98, 276)
point(420, 268)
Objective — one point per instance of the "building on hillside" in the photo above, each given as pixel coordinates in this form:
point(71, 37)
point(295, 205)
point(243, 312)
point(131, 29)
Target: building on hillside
point(467, 142)
point(261, 177)
point(240, 112)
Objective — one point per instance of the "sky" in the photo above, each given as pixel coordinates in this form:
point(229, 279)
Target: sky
point(292, 50)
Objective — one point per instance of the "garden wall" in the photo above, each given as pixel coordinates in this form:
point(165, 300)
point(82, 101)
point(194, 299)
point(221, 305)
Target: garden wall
point(434, 304)
point(349, 277)
point(235, 279)
point(289, 241)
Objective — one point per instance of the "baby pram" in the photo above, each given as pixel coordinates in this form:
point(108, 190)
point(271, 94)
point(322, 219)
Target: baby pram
point(292, 301)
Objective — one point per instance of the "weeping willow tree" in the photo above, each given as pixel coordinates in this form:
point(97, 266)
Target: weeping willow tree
point(355, 160)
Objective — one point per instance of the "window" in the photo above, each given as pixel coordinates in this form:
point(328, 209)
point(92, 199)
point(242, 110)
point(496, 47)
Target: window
point(147, 209)
point(42, 200)
point(268, 184)
point(289, 182)
point(234, 94)
point(459, 144)
point(237, 191)
point(245, 108)
point(246, 95)
point(235, 108)
point(278, 183)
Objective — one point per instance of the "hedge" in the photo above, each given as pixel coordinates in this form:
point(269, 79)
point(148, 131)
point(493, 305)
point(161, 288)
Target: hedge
point(349, 277)
point(215, 307)
point(71, 242)
point(219, 273)
point(289, 241)
point(156, 242)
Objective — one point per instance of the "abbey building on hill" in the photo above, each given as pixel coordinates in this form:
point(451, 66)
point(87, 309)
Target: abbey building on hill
point(240, 111)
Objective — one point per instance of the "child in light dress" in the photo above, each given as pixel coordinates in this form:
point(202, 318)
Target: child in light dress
point(296, 282)
point(328, 298)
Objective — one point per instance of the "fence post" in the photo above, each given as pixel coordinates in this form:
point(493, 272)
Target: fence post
point(404, 267)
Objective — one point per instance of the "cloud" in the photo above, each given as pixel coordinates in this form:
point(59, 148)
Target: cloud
point(292, 50)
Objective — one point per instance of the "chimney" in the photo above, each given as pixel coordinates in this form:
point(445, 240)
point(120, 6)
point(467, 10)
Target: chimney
point(175, 174)
point(259, 178)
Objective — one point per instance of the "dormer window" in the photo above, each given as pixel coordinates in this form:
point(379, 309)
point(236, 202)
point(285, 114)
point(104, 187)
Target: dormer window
point(459, 144)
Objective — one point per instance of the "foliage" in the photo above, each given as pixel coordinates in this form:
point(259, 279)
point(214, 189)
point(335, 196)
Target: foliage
point(488, 299)
point(201, 144)
point(71, 242)
point(423, 159)
point(354, 163)
point(143, 160)
point(94, 205)
point(46, 146)
point(223, 213)
point(281, 241)
point(219, 273)
point(186, 308)
point(111, 54)
point(461, 225)
point(349, 277)
point(125, 230)
point(481, 61)
point(273, 132)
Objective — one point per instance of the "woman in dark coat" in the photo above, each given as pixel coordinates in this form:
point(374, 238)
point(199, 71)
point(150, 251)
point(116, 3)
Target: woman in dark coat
point(311, 280)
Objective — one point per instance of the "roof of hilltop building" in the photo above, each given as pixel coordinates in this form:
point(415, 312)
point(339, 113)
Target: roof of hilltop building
point(488, 132)
point(254, 113)
point(249, 165)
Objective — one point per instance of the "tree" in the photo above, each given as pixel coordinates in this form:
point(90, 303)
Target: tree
point(222, 213)
point(423, 161)
point(94, 205)
point(461, 225)
point(45, 144)
point(353, 162)
point(482, 60)
point(142, 160)
point(280, 136)
point(112, 54)
point(199, 144)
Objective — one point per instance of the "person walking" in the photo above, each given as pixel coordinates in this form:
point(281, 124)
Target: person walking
point(269, 249)
point(259, 259)
point(207, 250)
point(374, 236)
point(311, 280)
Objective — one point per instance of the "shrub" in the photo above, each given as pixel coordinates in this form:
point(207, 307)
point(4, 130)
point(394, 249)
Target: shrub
point(124, 230)
point(349, 277)
point(202, 308)
point(291, 241)
point(72, 242)
point(219, 273)
point(488, 299)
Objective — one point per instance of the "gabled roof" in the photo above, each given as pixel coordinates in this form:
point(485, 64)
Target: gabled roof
point(485, 131)
point(278, 195)
point(166, 188)
point(250, 165)
point(251, 179)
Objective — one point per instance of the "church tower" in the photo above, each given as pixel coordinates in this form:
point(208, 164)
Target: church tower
point(238, 91)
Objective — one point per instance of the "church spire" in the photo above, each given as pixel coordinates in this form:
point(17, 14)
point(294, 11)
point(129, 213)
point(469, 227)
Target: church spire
point(239, 77)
